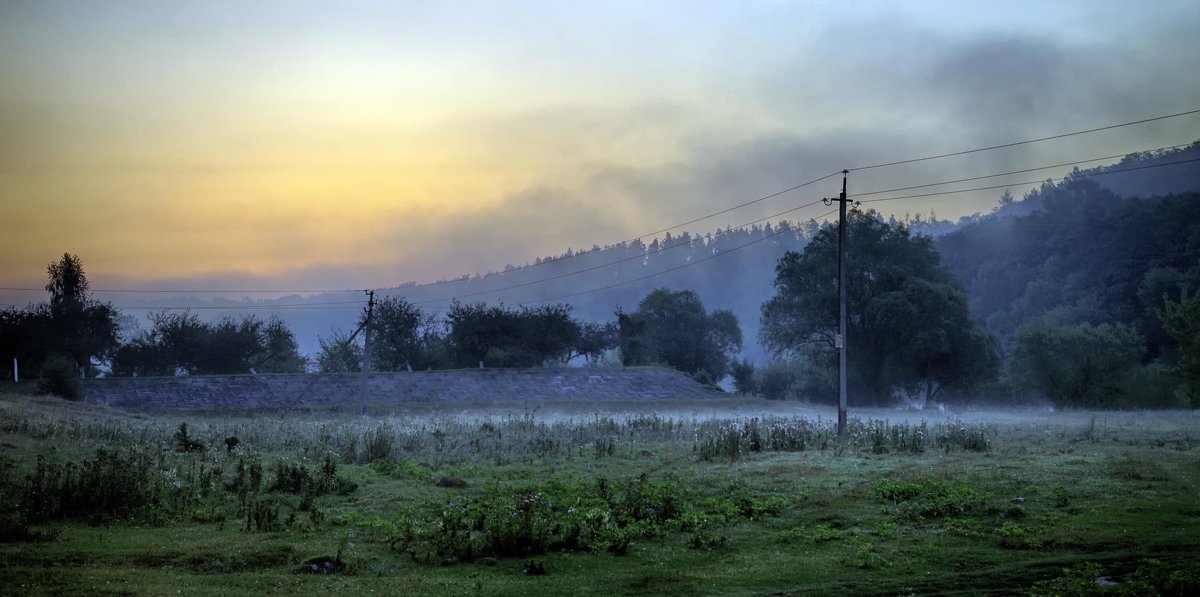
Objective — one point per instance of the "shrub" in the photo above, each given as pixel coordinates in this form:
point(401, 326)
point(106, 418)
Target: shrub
point(1076, 365)
point(296, 478)
point(60, 377)
point(742, 372)
point(929, 499)
point(186, 443)
point(775, 381)
point(109, 486)
point(532, 521)
point(377, 443)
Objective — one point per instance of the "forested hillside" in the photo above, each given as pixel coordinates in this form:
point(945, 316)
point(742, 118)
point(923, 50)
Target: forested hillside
point(730, 269)
point(1083, 254)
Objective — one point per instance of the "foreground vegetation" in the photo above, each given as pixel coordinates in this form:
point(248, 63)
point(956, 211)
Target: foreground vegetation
point(551, 501)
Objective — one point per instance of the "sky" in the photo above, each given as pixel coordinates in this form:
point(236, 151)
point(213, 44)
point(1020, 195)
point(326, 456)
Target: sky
point(352, 144)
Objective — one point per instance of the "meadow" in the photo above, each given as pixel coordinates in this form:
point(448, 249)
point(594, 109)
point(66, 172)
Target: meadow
point(720, 497)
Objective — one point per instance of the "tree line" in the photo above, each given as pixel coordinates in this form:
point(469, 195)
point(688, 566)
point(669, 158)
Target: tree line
point(74, 335)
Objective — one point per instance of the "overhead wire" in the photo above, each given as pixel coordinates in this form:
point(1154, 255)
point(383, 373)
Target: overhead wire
point(1025, 142)
point(1017, 184)
point(1012, 172)
point(606, 264)
point(742, 226)
point(669, 270)
point(357, 304)
point(720, 212)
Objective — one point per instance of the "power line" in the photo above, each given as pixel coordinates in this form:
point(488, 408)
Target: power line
point(714, 214)
point(641, 256)
point(603, 265)
point(236, 307)
point(673, 269)
point(1025, 142)
point(775, 234)
point(318, 306)
point(1064, 164)
point(1031, 182)
point(772, 235)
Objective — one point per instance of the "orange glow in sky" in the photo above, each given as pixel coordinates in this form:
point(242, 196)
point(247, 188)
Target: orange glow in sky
point(411, 141)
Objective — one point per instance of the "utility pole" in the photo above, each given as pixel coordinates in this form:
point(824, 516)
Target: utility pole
point(366, 362)
point(365, 365)
point(840, 341)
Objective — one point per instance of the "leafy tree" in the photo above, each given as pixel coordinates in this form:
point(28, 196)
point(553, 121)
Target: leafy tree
point(548, 332)
point(673, 328)
point(174, 344)
point(1181, 320)
point(908, 325)
point(339, 355)
point(80, 326)
point(595, 339)
point(280, 353)
point(182, 343)
point(25, 335)
point(475, 329)
point(400, 331)
point(1075, 365)
point(527, 337)
point(742, 372)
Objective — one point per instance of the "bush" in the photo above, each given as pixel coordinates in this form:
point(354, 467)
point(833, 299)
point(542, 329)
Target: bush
point(185, 442)
point(929, 499)
point(532, 521)
point(296, 478)
point(111, 485)
point(742, 372)
point(1081, 366)
point(775, 381)
point(795, 380)
point(60, 377)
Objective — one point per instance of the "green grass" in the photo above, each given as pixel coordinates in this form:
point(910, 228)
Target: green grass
point(760, 498)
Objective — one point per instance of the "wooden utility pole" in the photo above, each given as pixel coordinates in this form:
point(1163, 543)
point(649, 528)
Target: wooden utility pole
point(366, 362)
point(840, 341)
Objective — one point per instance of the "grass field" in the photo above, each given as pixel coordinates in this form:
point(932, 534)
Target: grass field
point(734, 497)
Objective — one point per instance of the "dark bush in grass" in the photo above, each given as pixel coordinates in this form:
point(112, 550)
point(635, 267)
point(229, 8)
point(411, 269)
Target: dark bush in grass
point(60, 377)
point(929, 499)
point(110, 486)
point(185, 442)
point(296, 478)
point(603, 516)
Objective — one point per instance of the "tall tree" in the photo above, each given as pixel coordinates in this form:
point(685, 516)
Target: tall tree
point(180, 343)
point(82, 327)
point(1075, 365)
point(1181, 319)
point(401, 331)
point(506, 337)
point(548, 332)
point(338, 354)
point(595, 339)
point(908, 325)
point(674, 329)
